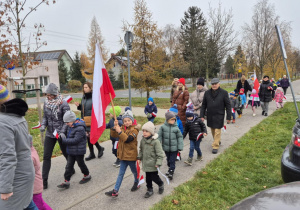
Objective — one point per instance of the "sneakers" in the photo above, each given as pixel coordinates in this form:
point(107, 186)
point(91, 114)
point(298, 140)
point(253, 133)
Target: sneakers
point(240, 115)
point(90, 157)
point(266, 114)
point(117, 163)
point(64, 185)
point(100, 152)
point(263, 112)
point(149, 193)
point(85, 179)
point(167, 174)
point(199, 158)
point(135, 186)
point(171, 173)
point(161, 189)
point(254, 115)
point(112, 193)
point(45, 184)
point(189, 161)
point(215, 151)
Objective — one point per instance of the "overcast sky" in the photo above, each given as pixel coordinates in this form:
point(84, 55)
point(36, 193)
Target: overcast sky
point(67, 22)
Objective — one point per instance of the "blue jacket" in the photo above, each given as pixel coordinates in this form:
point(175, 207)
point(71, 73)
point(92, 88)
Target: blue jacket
point(151, 109)
point(111, 124)
point(179, 123)
point(76, 139)
point(244, 100)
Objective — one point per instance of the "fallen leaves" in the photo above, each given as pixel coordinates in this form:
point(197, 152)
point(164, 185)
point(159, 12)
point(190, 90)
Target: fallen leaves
point(264, 166)
point(265, 187)
point(204, 172)
point(176, 202)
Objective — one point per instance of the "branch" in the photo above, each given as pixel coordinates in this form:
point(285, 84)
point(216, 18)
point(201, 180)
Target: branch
point(22, 6)
point(33, 9)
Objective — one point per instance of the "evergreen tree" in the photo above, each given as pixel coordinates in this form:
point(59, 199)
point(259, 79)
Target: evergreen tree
point(63, 72)
point(112, 78)
point(240, 63)
point(229, 69)
point(76, 69)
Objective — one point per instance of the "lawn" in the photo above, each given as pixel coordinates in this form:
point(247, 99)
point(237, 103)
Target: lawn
point(228, 86)
point(32, 119)
point(251, 165)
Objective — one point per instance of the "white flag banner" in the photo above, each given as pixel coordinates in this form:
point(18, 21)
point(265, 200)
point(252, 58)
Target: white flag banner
point(164, 176)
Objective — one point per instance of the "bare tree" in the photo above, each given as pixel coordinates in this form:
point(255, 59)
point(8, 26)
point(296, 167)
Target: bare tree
point(171, 39)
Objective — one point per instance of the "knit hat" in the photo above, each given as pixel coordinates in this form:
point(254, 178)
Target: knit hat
point(150, 99)
point(52, 89)
point(232, 94)
point(128, 114)
point(69, 116)
point(117, 111)
point(169, 115)
point(242, 91)
point(4, 95)
point(174, 109)
point(190, 110)
point(127, 108)
point(149, 126)
point(253, 91)
point(182, 80)
point(200, 81)
point(266, 76)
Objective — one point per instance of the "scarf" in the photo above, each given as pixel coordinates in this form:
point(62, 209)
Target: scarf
point(53, 104)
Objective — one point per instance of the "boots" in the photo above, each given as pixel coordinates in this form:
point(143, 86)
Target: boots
point(161, 189)
point(199, 158)
point(45, 184)
point(92, 154)
point(135, 186)
point(100, 150)
point(149, 193)
point(188, 161)
point(171, 173)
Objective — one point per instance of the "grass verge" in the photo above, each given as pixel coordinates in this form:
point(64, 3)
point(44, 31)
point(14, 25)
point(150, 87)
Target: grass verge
point(251, 165)
point(32, 119)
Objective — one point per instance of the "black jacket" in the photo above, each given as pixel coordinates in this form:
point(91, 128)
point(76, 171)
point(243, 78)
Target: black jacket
point(247, 87)
point(265, 94)
point(86, 106)
point(215, 103)
point(194, 128)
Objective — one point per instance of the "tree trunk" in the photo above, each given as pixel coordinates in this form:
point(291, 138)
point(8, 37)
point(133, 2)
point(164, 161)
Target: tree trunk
point(148, 94)
point(194, 81)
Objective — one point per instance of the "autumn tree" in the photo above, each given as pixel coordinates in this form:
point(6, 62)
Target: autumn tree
point(148, 57)
point(63, 72)
point(95, 36)
point(240, 63)
point(192, 38)
point(76, 67)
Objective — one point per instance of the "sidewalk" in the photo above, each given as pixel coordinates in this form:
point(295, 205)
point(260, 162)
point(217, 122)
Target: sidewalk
point(104, 175)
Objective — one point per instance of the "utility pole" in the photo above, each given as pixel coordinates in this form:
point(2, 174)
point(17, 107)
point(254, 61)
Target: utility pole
point(128, 40)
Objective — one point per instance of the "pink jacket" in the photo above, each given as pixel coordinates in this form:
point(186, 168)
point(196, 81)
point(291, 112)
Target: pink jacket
point(38, 181)
point(279, 96)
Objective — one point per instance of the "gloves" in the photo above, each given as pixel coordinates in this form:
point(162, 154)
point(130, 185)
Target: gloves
point(149, 115)
point(42, 128)
point(62, 136)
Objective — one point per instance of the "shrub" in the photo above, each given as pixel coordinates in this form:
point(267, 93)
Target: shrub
point(74, 85)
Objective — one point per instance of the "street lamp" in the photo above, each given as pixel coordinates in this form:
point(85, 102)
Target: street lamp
point(128, 40)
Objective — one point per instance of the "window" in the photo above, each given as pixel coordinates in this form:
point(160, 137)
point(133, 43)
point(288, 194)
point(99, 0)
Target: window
point(44, 80)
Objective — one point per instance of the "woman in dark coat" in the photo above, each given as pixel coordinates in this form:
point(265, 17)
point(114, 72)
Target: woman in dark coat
point(181, 98)
point(284, 83)
point(86, 110)
point(266, 94)
point(243, 83)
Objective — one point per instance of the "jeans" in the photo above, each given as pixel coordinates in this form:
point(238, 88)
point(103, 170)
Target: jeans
point(49, 145)
point(123, 167)
point(233, 115)
point(265, 106)
point(216, 133)
point(70, 166)
point(195, 145)
point(153, 176)
point(31, 206)
point(171, 158)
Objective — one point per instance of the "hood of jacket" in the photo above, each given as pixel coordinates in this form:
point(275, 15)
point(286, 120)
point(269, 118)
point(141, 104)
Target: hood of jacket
point(15, 106)
point(79, 123)
point(154, 137)
point(202, 90)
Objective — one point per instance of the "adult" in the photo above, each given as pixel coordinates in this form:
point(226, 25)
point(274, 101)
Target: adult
point(173, 88)
point(266, 94)
point(215, 101)
point(86, 111)
point(16, 168)
point(197, 96)
point(54, 109)
point(284, 83)
point(181, 98)
point(251, 83)
point(243, 83)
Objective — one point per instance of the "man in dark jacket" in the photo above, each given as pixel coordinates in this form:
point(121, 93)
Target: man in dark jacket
point(284, 83)
point(215, 102)
point(266, 94)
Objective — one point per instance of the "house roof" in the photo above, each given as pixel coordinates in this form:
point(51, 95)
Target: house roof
point(121, 60)
point(49, 55)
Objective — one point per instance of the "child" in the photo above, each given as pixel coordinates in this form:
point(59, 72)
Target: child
point(110, 125)
point(171, 139)
point(243, 96)
point(127, 151)
point(150, 110)
point(254, 101)
point(151, 154)
point(38, 181)
point(279, 96)
point(175, 111)
point(128, 108)
point(196, 130)
point(76, 148)
point(233, 102)
point(239, 106)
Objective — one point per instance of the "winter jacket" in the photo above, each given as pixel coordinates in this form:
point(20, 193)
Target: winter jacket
point(215, 103)
point(284, 83)
point(111, 124)
point(179, 124)
point(16, 167)
point(181, 98)
point(197, 98)
point(76, 139)
point(151, 153)
point(50, 121)
point(151, 110)
point(279, 96)
point(235, 102)
point(86, 107)
point(194, 128)
point(38, 181)
point(170, 137)
point(246, 87)
point(127, 149)
point(266, 91)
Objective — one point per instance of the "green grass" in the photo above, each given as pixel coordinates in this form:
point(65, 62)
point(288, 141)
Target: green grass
point(251, 165)
point(32, 119)
point(228, 86)
point(162, 103)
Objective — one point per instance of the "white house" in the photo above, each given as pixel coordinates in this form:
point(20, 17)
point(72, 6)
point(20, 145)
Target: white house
point(116, 64)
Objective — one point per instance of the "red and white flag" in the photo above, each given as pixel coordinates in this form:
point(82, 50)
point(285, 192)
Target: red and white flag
point(37, 126)
point(68, 99)
point(256, 83)
point(55, 134)
point(232, 110)
point(141, 178)
point(101, 89)
point(224, 128)
point(178, 156)
point(116, 145)
point(199, 136)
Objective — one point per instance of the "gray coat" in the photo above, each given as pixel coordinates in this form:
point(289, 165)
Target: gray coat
point(16, 167)
point(50, 121)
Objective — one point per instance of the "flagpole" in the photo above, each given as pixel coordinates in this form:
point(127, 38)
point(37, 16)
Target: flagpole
point(112, 104)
